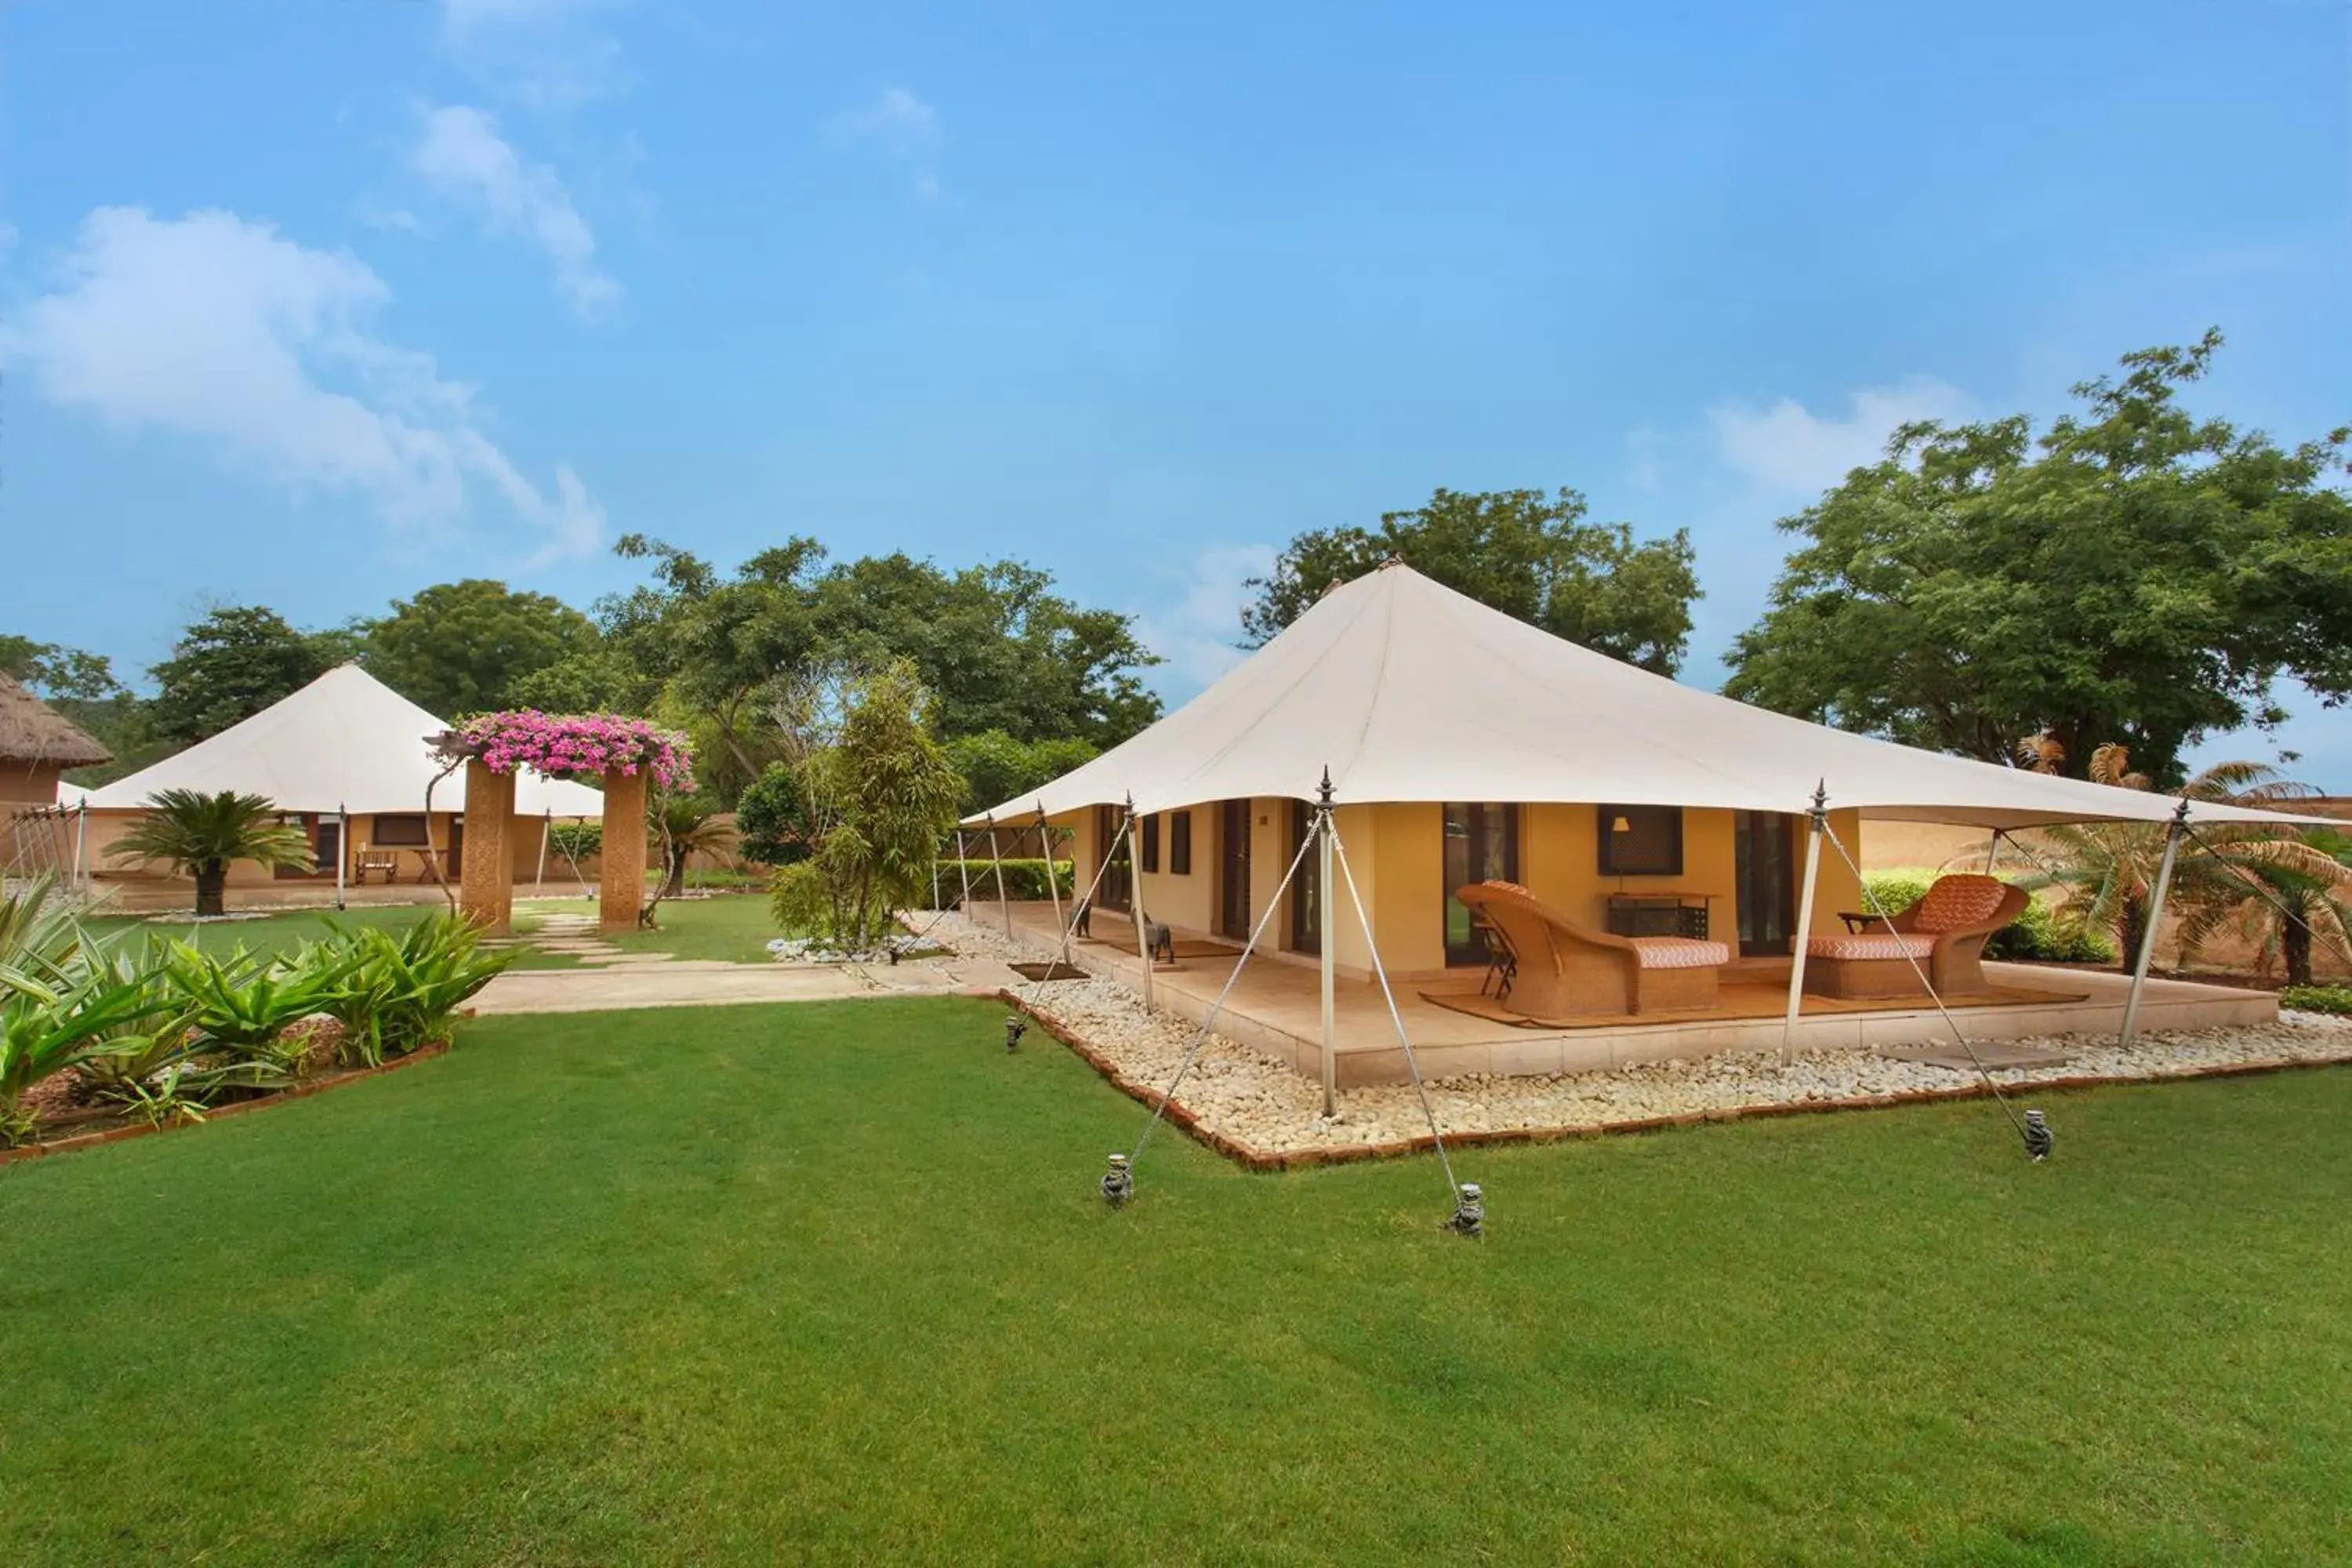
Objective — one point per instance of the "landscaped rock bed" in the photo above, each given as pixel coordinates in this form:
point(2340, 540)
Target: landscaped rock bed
point(1259, 1108)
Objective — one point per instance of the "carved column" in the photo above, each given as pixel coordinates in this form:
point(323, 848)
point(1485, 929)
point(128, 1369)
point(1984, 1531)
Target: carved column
point(486, 890)
point(620, 890)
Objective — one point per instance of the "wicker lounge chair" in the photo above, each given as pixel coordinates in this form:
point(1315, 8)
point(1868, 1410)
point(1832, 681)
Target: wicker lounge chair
point(1561, 968)
point(1944, 932)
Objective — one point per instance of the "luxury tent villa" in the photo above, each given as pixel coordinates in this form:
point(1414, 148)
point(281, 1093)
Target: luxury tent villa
point(1562, 862)
point(345, 759)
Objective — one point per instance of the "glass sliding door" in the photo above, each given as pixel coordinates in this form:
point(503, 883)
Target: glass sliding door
point(1482, 845)
point(1764, 854)
point(1117, 889)
point(1305, 883)
point(1234, 869)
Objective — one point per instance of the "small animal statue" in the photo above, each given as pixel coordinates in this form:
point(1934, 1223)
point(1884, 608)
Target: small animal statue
point(1163, 943)
point(1117, 1183)
point(1469, 1217)
point(2039, 1138)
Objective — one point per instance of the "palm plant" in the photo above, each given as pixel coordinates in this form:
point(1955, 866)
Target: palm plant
point(2287, 892)
point(684, 826)
point(199, 835)
point(2108, 870)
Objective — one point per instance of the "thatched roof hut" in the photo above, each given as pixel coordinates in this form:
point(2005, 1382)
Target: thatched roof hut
point(36, 734)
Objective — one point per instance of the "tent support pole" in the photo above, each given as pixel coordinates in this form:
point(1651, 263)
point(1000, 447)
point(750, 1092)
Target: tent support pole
point(1992, 850)
point(2172, 832)
point(81, 848)
point(1134, 902)
point(1045, 848)
point(1327, 938)
point(1820, 826)
point(546, 832)
point(963, 874)
point(342, 848)
point(1003, 908)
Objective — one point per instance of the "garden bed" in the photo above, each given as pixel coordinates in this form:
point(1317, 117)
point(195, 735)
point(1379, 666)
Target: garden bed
point(88, 1130)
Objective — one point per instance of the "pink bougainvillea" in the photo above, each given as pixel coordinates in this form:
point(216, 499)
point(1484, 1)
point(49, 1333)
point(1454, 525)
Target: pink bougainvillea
point(573, 745)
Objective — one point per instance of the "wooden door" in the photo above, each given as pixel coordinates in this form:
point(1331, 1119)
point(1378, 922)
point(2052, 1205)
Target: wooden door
point(1765, 898)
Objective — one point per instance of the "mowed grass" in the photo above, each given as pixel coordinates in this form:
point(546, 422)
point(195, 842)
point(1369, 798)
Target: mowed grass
point(265, 934)
point(832, 1283)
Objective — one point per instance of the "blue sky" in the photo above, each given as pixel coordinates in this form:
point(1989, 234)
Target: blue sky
point(316, 303)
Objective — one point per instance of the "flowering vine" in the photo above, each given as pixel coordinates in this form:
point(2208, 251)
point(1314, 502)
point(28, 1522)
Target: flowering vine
point(573, 745)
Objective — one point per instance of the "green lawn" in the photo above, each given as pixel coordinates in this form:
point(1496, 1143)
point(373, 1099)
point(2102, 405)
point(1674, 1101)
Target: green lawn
point(270, 933)
point(733, 927)
point(829, 1282)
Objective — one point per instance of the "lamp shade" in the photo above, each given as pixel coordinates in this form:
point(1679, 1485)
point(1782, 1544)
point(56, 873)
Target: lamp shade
point(1620, 824)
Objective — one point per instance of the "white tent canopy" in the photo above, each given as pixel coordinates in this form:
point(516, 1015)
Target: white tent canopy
point(345, 742)
point(1410, 691)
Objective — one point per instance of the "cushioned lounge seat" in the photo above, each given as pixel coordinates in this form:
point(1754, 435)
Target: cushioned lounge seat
point(1944, 934)
point(1561, 969)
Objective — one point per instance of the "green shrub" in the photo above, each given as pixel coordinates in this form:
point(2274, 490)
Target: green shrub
point(576, 840)
point(798, 899)
point(2318, 998)
point(2041, 934)
point(398, 994)
point(1023, 878)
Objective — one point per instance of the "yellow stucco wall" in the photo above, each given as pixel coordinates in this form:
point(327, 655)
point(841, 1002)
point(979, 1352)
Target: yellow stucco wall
point(106, 827)
point(28, 784)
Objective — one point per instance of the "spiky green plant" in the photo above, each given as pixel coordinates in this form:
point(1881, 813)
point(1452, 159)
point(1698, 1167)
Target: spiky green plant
point(200, 835)
point(399, 993)
point(47, 1029)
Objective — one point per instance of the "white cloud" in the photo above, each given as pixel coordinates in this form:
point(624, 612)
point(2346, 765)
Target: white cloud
point(1196, 626)
point(543, 54)
point(391, 219)
point(220, 330)
point(462, 157)
point(902, 125)
point(1784, 448)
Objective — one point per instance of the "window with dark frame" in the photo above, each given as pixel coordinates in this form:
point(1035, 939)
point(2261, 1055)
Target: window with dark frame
point(1179, 843)
point(1641, 841)
point(1151, 844)
point(406, 830)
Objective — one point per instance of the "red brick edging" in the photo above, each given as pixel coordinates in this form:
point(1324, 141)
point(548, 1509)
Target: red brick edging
point(1258, 1159)
point(299, 1091)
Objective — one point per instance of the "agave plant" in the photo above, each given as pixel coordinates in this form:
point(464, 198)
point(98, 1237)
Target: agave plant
point(38, 941)
point(399, 993)
point(199, 835)
point(126, 1064)
point(47, 1029)
point(239, 1005)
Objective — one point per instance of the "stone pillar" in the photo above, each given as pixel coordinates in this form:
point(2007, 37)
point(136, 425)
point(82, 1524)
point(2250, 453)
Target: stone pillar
point(486, 868)
point(620, 890)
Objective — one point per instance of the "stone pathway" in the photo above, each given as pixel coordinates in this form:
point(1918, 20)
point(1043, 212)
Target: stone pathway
point(611, 977)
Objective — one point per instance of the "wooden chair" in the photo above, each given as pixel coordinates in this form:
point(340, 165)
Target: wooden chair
point(1944, 933)
point(1561, 968)
point(368, 858)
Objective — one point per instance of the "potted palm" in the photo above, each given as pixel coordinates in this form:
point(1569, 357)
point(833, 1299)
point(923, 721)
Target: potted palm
point(198, 835)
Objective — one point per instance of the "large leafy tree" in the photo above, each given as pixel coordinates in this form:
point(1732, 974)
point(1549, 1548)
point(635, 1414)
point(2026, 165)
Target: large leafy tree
point(235, 662)
point(466, 647)
point(2135, 575)
point(82, 684)
point(1523, 552)
point(993, 647)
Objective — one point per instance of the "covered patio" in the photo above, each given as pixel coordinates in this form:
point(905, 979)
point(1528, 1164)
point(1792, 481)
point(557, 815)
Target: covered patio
point(1276, 1006)
point(1406, 786)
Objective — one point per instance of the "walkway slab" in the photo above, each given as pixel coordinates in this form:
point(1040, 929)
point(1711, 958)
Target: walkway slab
point(664, 985)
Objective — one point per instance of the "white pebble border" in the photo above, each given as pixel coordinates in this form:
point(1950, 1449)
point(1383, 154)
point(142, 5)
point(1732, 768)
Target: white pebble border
point(1243, 1096)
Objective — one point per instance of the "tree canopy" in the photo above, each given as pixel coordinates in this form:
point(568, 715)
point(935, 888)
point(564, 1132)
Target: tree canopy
point(1523, 552)
point(465, 647)
point(230, 665)
point(993, 647)
point(2133, 575)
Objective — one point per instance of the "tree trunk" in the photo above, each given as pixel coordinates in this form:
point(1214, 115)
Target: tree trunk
point(2135, 933)
point(2295, 947)
point(212, 877)
point(677, 883)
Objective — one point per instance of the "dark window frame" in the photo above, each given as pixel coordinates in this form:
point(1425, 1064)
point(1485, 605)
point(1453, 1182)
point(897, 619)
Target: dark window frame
point(424, 830)
point(1669, 865)
point(1151, 845)
point(1179, 843)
